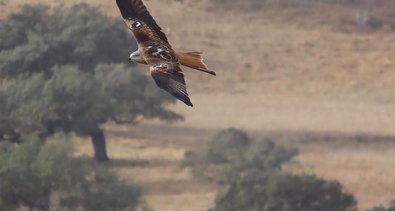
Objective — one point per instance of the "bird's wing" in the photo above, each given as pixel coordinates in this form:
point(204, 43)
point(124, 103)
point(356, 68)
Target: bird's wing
point(132, 9)
point(171, 79)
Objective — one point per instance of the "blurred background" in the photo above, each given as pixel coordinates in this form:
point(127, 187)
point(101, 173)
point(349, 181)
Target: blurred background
point(301, 114)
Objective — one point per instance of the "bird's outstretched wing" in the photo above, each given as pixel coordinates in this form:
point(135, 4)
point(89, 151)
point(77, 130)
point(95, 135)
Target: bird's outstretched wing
point(171, 79)
point(135, 9)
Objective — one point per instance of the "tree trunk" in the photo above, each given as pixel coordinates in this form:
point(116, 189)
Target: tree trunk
point(99, 145)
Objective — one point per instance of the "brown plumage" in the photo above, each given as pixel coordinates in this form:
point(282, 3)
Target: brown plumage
point(155, 51)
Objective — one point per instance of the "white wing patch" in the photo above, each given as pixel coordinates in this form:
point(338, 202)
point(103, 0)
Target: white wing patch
point(159, 52)
point(138, 24)
point(135, 24)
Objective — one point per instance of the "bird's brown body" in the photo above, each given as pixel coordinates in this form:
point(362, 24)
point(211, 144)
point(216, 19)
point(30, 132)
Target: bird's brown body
point(155, 51)
point(148, 43)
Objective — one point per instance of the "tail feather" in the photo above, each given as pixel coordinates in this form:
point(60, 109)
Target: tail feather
point(194, 60)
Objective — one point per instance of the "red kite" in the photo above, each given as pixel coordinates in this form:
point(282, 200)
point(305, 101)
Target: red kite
point(155, 51)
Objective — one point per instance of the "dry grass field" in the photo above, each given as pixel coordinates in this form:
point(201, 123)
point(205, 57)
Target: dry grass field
point(303, 75)
point(150, 155)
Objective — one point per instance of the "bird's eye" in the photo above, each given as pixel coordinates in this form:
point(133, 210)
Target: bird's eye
point(136, 24)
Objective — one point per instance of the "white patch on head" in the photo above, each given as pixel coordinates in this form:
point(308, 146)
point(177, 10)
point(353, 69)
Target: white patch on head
point(135, 55)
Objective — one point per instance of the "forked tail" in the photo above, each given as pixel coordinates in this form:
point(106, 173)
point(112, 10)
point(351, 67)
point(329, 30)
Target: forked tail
point(194, 60)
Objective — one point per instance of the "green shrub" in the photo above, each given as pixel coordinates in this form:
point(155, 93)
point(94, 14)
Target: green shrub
point(104, 192)
point(231, 153)
point(262, 191)
point(380, 208)
point(42, 176)
point(391, 207)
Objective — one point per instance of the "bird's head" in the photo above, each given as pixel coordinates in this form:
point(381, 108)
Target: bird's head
point(135, 56)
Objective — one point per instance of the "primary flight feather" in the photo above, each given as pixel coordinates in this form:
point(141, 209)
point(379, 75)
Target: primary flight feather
point(155, 51)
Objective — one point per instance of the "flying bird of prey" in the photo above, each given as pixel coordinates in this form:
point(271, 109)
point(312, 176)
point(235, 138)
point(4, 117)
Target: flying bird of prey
point(155, 51)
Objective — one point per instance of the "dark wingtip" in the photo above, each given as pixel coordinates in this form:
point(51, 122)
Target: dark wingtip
point(183, 98)
point(188, 103)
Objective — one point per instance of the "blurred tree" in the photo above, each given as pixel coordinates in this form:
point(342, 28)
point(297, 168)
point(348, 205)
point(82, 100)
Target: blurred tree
point(36, 39)
point(275, 191)
point(251, 172)
point(65, 73)
point(391, 207)
point(381, 208)
point(231, 153)
point(31, 173)
point(113, 194)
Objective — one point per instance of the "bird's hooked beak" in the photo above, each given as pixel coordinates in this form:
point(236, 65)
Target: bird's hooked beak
point(133, 56)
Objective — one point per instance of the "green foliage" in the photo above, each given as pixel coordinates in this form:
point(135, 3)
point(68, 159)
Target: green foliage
point(72, 100)
point(32, 172)
point(37, 38)
point(106, 193)
point(391, 207)
point(232, 153)
point(381, 208)
point(251, 171)
point(228, 145)
point(262, 191)
point(132, 94)
point(6, 124)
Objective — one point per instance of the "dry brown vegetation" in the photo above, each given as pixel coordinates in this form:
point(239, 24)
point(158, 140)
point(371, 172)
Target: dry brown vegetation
point(306, 74)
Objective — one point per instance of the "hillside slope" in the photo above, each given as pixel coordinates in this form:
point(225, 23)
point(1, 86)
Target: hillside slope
point(290, 69)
